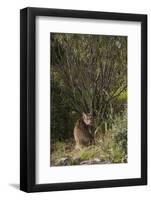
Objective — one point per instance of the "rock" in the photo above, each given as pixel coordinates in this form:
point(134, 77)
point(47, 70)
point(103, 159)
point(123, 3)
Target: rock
point(105, 162)
point(68, 161)
point(96, 160)
point(76, 161)
point(63, 161)
point(124, 160)
point(91, 161)
point(85, 162)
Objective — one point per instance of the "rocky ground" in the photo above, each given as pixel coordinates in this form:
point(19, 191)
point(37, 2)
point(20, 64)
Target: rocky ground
point(77, 161)
point(103, 152)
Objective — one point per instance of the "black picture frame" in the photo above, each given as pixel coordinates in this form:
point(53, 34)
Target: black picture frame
point(28, 98)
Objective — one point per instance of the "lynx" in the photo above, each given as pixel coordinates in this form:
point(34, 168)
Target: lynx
point(83, 131)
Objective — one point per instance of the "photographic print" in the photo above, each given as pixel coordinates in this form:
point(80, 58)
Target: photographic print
point(88, 98)
point(83, 99)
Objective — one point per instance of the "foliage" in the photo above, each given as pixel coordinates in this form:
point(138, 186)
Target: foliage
point(120, 132)
point(89, 74)
point(91, 70)
point(59, 114)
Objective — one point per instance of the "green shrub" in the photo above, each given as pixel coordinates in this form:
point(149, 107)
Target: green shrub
point(119, 132)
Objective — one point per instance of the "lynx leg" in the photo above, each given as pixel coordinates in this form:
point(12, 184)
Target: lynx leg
point(78, 145)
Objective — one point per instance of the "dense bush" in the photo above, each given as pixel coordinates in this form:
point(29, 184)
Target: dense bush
point(91, 74)
point(120, 132)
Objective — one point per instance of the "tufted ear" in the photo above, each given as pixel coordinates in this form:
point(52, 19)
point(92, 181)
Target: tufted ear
point(84, 115)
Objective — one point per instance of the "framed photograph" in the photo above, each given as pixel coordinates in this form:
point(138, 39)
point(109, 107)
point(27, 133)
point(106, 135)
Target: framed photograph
point(83, 99)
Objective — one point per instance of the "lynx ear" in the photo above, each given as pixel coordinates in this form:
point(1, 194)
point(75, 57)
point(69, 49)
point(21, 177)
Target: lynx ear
point(83, 115)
